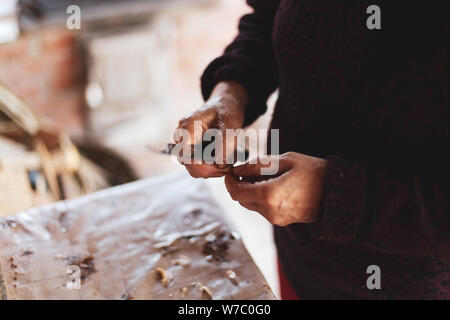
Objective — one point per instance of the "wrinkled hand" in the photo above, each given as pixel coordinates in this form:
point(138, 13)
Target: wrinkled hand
point(223, 110)
point(292, 196)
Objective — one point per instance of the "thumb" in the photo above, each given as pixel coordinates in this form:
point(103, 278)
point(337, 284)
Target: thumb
point(247, 170)
point(253, 167)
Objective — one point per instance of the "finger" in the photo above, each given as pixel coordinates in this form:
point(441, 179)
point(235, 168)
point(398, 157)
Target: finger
point(203, 171)
point(189, 123)
point(253, 168)
point(245, 191)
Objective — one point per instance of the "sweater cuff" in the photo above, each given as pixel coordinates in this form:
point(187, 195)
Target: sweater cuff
point(225, 68)
point(343, 202)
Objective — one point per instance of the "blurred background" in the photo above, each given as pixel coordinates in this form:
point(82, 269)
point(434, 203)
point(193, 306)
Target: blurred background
point(109, 89)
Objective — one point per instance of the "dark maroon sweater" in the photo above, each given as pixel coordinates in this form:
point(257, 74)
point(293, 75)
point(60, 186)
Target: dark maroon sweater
point(376, 105)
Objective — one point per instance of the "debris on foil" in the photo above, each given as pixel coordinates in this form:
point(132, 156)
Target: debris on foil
point(163, 276)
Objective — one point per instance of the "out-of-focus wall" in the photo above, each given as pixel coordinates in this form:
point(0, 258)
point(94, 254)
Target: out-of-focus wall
point(44, 68)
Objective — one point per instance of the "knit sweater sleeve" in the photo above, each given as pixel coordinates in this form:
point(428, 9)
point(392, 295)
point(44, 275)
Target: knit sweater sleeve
point(395, 211)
